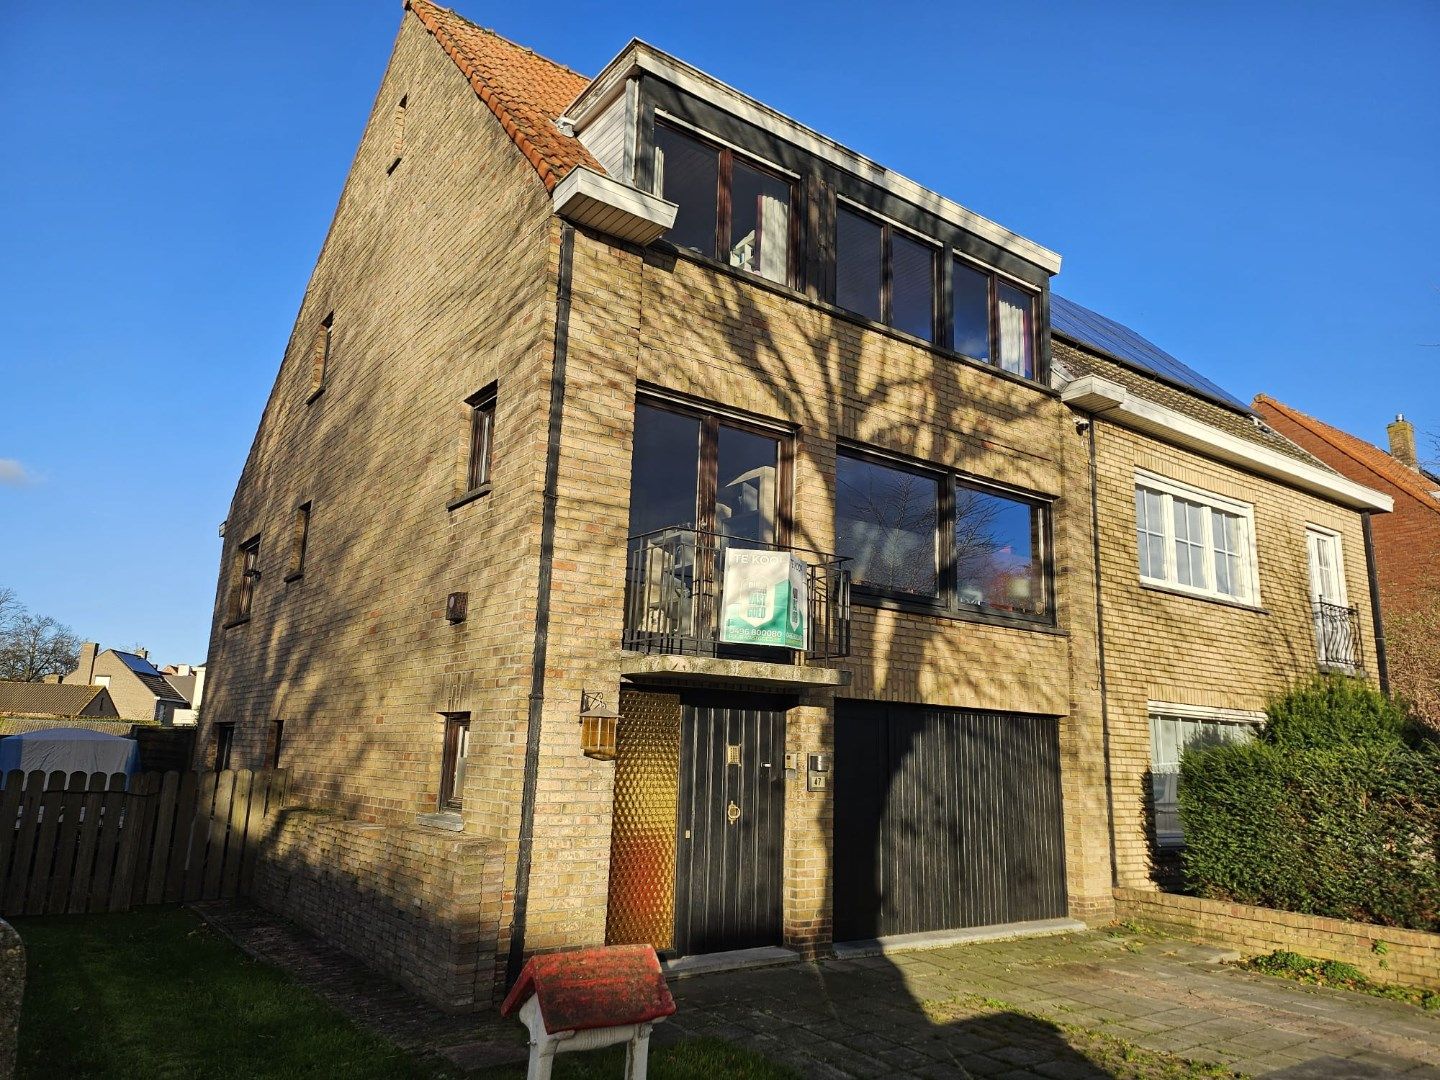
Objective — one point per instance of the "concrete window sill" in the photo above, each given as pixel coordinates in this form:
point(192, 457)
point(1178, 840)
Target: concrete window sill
point(449, 821)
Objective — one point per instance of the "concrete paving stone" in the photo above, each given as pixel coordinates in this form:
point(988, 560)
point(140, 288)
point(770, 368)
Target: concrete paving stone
point(1070, 1070)
point(984, 1065)
point(1332, 1068)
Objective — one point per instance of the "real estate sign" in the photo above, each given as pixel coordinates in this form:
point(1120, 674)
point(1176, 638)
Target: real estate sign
point(765, 600)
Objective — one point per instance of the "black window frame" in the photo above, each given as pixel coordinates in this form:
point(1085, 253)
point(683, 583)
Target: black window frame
point(995, 280)
point(450, 759)
point(888, 230)
point(275, 750)
point(480, 446)
point(724, 210)
point(948, 603)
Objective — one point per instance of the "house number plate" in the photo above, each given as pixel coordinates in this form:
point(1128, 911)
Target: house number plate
point(732, 812)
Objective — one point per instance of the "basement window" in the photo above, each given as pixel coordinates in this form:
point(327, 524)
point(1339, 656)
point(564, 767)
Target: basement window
point(1170, 737)
point(884, 273)
point(730, 208)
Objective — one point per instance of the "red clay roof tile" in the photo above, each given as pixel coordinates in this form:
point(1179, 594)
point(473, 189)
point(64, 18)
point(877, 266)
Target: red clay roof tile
point(1356, 449)
point(525, 91)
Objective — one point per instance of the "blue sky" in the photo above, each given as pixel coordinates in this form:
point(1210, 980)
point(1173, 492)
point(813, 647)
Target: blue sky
point(1253, 186)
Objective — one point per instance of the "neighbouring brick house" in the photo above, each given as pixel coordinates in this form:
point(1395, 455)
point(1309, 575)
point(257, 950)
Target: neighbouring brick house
point(43, 699)
point(137, 687)
point(634, 395)
point(1406, 541)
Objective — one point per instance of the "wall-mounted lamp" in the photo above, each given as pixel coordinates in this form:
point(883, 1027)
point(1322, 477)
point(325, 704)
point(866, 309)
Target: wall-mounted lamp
point(598, 723)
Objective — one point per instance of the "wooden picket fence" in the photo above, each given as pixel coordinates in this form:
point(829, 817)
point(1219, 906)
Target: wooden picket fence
point(91, 842)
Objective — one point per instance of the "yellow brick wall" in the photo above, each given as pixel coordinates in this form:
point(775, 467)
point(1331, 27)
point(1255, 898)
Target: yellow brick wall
point(1165, 647)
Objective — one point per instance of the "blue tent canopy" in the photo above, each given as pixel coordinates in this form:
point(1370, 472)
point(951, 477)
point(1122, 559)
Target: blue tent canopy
point(69, 750)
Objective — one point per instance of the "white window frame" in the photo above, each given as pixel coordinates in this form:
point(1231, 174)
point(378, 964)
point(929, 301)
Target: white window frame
point(1169, 491)
point(1315, 536)
point(1165, 711)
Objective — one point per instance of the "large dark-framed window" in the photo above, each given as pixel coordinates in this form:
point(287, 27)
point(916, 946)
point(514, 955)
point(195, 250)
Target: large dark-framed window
point(731, 207)
point(452, 761)
point(936, 541)
point(993, 319)
point(699, 468)
point(884, 274)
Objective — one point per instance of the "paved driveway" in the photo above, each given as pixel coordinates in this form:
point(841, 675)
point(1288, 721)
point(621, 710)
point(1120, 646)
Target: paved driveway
point(1082, 1005)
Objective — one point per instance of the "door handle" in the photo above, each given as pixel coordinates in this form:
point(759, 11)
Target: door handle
point(732, 813)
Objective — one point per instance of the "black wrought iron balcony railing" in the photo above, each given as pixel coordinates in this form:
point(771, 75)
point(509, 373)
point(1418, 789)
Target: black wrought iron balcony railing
point(1337, 633)
point(699, 593)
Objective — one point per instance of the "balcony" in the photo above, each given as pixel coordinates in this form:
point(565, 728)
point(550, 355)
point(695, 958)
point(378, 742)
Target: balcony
point(692, 593)
point(1337, 634)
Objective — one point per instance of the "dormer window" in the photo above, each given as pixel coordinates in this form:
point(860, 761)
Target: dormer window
point(731, 208)
point(884, 273)
point(994, 321)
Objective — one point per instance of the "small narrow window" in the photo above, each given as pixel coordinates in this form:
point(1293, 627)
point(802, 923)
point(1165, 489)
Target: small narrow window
point(397, 148)
point(224, 743)
point(300, 540)
point(452, 764)
point(884, 274)
point(482, 437)
point(320, 354)
point(247, 572)
point(275, 750)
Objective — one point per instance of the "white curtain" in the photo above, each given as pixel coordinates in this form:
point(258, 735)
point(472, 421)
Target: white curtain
point(774, 239)
point(1014, 332)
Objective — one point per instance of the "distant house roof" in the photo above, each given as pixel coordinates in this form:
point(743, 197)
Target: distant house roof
point(1356, 450)
point(150, 675)
point(49, 699)
point(1119, 342)
point(526, 92)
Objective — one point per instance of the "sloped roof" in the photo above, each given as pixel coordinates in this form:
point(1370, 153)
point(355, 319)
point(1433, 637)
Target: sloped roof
point(1354, 449)
point(150, 675)
point(1077, 360)
point(1119, 342)
point(49, 699)
point(526, 92)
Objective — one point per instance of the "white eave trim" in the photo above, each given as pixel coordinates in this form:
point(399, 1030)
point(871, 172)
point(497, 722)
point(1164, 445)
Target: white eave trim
point(600, 202)
point(1092, 394)
point(639, 56)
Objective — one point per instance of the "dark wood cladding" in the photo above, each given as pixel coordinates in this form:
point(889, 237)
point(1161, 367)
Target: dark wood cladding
point(944, 819)
point(728, 874)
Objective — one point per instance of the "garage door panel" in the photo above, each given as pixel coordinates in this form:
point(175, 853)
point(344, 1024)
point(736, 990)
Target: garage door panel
point(944, 819)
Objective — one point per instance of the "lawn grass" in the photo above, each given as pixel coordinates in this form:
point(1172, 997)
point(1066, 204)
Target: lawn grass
point(156, 994)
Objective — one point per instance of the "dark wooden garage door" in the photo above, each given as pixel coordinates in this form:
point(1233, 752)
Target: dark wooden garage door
point(944, 819)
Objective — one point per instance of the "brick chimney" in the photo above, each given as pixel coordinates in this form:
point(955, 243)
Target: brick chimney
point(1402, 442)
point(85, 670)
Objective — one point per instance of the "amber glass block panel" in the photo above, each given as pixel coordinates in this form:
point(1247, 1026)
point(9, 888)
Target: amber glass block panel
point(642, 838)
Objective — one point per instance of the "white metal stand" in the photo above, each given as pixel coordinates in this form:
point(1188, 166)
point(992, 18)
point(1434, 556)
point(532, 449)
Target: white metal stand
point(544, 1046)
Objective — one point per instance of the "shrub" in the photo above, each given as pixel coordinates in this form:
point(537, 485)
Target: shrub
point(1327, 813)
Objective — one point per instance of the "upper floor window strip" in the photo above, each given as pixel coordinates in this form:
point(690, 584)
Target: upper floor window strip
point(730, 208)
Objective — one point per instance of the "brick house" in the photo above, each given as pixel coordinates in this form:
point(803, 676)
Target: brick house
point(633, 395)
point(1406, 541)
point(137, 687)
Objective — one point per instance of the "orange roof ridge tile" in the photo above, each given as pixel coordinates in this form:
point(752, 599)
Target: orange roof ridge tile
point(525, 91)
point(1363, 453)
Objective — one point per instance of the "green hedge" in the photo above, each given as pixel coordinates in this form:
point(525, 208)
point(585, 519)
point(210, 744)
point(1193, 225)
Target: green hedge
point(1335, 812)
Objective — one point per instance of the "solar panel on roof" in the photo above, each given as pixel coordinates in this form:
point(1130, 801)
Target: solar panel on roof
point(137, 664)
point(1095, 330)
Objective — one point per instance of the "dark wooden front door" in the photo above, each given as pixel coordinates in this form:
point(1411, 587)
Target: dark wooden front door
point(944, 819)
point(730, 828)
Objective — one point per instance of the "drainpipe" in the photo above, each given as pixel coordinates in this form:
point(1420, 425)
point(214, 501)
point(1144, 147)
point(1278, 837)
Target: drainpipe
point(1100, 651)
point(516, 958)
point(1375, 615)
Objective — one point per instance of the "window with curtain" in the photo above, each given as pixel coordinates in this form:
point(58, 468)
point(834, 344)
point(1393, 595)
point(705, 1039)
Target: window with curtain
point(730, 208)
point(992, 319)
point(1193, 541)
point(1170, 737)
point(939, 540)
